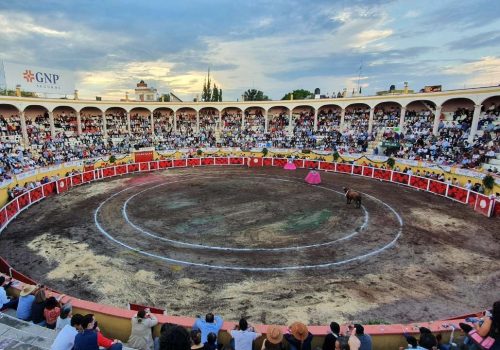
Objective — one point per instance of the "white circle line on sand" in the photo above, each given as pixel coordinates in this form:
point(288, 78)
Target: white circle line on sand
point(202, 246)
point(246, 268)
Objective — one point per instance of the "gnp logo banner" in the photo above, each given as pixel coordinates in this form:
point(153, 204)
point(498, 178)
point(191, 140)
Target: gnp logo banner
point(38, 79)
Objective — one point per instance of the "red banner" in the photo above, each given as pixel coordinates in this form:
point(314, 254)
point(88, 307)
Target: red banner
point(62, 185)
point(88, 176)
point(367, 171)
point(180, 162)
point(472, 199)
point(76, 179)
point(143, 166)
point(193, 162)
point(108, 172)
point(278, 162)
point(143, 156)
point(299, 163)
point(437, 187)
point(208, 161)
point(167, 163)
point(357, 169)
point(327, 166)
point(23, 200)
point(484, 205)
point(382, 174)
point(3, 217)
point(121, 169)
point(153, 165)
point(344, 168)
point(235, 160)
point(132, 167)
point(36, 194)
point(220, 160)
point(12, 209)
point(400, 177)
point(419, 182)
point(458, 193)
point(255, 162)
point(49, 189)
point(311, 164)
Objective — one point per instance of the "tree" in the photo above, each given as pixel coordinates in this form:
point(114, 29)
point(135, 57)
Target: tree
point(300, 94)
point(165, 97)
point(13, 93)
point(254, 95)
point(215, 94)
point(207, 89)
point(220, 95)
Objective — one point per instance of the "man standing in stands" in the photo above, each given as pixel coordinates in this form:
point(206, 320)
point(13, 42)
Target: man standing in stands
point(331, 338)
point(211, 324)
point(364, 339)
point(244, 336)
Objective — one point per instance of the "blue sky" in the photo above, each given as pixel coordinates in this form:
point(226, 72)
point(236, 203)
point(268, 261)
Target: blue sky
point(275, 46)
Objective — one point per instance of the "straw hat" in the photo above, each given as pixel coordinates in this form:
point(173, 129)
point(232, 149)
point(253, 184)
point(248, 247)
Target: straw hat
point(27, 290)
point(299, 331)
point(274, 335)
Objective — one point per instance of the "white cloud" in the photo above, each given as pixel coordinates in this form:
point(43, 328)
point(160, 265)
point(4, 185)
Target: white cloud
point(19, 25)
point(485, 71)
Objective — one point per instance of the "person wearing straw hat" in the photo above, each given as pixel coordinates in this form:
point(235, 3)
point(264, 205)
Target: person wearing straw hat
point(274, 337)
point(299, 337)
point(26, 299)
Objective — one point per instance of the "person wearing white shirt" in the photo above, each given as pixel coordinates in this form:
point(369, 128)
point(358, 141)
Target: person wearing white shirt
point(66, 337)
point(244, 336)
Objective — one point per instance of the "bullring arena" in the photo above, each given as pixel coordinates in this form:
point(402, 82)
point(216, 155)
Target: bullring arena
point(191, 235)
point(210, 227)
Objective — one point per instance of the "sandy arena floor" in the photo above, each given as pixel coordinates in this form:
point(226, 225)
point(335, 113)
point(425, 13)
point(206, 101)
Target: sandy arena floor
point(263, 244)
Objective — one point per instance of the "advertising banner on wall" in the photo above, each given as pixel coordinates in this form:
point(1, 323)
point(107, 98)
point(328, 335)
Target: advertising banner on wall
point(38, 79)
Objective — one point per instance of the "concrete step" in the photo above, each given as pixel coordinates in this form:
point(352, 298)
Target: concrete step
point(25, 334)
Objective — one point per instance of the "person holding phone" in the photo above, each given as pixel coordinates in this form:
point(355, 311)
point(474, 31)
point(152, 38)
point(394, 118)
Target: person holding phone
point(141, 336)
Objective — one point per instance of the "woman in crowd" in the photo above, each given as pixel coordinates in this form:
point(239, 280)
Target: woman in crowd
point(491, 325)
point(274, 339)
point(196, 339)
point(37, 308)
point(51, 312)
point(141, 337)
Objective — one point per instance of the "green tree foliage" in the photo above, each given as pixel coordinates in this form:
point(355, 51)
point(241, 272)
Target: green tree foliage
point(215, 94)
point(300, 94)
point(165, 97)
point(220, 95)
point(13, 93)
point(254, 95)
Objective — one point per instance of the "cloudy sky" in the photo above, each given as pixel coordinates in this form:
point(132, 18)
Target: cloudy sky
point(272, 45)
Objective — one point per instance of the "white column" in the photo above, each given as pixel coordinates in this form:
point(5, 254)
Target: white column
point(104, 126)
point(370, 120)
point(78, 123)
point(24, 130)
point(152, 124)
point(52, 126)
point(402, 119)
point(242, 120)
point(266, 122)
point(197, 121)
point(175, 122)
point(129, 129)
point(315, 120)
point(437, 117)
point(220, 120)
point(290, 123)
point(342, 118)
point(475, 123)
